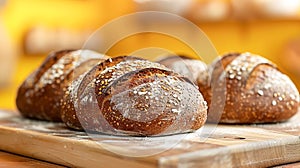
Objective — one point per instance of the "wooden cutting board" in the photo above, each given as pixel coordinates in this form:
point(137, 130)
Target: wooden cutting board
point(213, 146)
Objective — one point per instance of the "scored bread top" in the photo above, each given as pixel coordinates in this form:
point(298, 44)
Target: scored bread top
point(153, 101)
point(125, 95)
point(256, 91)
point(83, 99)
point(40, 94)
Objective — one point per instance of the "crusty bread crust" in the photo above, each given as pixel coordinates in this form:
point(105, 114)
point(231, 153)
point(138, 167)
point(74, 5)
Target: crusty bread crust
point(255, 90)
point(190, 68)
point(132, 96)
point(119, 96)
point(40, 94)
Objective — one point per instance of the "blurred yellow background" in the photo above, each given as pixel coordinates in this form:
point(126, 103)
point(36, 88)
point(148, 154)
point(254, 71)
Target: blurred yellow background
point(264, 36)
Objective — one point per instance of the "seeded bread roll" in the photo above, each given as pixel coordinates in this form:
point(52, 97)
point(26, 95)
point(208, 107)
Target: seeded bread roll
point(255, 91)
point(132, 96)
point(40, 95)
point(190, 68)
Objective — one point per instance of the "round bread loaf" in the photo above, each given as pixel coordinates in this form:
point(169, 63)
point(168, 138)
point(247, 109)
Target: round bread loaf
point(40, 94)
point(132, 96)
point(255, 91)
point(190, 68)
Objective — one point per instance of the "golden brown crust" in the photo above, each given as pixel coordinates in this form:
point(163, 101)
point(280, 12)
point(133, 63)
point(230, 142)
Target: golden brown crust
point(40, 94)
point(255, 90)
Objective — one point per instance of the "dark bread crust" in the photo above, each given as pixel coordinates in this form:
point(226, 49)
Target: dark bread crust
point(154, 119)
point(116, 107)
point(119, 96)
point(190, 68)
point(66, 101)
point(40, 95)
point(30, 100)
point(255, 90)
point(74, 111)
point(213, 89)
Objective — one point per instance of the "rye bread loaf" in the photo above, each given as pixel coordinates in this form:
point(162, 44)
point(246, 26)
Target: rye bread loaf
point(41, 93)
point(132, 96)
point(188, 67)
point(252, 88)
point(117, 96)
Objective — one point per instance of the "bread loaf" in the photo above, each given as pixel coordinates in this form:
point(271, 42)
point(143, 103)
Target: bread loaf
point(255, 91)
point(190, 68)
point(40, 94)
point(132, 96)
point(118, 96)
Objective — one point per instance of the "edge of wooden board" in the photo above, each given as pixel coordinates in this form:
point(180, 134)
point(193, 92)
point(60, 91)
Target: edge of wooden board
point(87, 153)
point(272, 152)
point(72, 153)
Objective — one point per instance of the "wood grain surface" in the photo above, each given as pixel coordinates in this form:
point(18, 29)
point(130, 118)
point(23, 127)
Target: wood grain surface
point(260, 145)
point(8, 160)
